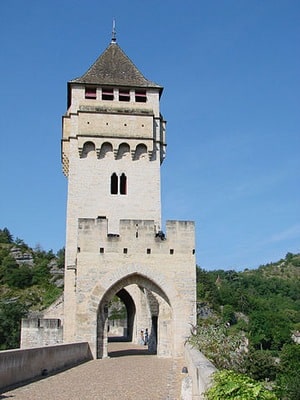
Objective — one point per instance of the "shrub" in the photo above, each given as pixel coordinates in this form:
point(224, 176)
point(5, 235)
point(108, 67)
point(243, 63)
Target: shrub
point(223, 349)
point(229, 385)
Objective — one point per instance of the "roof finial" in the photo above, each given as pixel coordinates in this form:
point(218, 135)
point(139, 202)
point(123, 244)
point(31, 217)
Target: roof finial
point(114, 34)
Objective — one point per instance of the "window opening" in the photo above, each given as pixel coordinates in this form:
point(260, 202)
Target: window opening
point(114, 184)
point(107, 94)
point(171, 251)
point(124, 95)
point(140, 96)
point(90, 93)
point(148, 251)
point(125, 250)
point(102, 250)
point(88, 149)
point(123, 184)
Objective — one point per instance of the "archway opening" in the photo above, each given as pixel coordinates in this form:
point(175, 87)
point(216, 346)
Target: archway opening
point(121, 314)
point(147, 323)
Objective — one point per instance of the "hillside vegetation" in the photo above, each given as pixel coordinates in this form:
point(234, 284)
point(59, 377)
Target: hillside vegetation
point(249, 322)
point(31, 279)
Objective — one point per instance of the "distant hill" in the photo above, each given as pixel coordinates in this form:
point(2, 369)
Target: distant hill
point(267, 297)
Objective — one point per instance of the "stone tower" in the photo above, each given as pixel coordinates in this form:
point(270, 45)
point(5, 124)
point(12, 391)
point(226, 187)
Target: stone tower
point(112, 147)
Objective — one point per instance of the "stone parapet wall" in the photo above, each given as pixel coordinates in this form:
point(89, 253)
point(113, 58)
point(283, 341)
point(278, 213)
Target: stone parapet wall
point(38, 332)
point(18, 366)
point(136, 236)
point(200, 371)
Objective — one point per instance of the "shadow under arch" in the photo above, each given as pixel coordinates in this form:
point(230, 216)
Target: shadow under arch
point(118, 287)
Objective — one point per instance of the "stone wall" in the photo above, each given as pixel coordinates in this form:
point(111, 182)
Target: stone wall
point(19, 366)
point(200, 371)
point(37, 332)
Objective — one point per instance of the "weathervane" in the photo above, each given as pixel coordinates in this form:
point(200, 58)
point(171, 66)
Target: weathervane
point(114, 34)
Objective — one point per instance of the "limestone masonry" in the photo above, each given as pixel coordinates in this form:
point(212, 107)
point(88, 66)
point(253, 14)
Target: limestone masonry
point(112, 148)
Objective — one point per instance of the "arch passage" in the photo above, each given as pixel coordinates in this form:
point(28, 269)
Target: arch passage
point(147, 307)
point(127, 300)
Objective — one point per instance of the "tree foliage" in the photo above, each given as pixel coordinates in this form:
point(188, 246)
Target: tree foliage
point(5, 236)
point(265, 305)
point(229, 385)
point(223, 348)
point(11, 313)
point(27, 285)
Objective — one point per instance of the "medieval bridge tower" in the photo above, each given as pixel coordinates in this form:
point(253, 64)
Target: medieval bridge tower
point(112, 148)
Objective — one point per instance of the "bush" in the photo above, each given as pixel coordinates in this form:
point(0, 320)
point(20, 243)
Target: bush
point(229, 385)
point(223, 349)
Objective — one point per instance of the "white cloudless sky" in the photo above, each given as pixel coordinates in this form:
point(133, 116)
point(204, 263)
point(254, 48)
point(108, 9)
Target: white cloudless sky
point(231, 76)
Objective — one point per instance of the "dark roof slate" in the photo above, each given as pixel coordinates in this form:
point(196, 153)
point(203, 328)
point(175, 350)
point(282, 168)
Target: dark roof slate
point(113, 67)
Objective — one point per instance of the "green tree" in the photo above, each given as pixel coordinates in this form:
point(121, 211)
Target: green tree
point(207, 290)
point(20, 277)
point(5, 236)
point(11, 313)
point(7, 270)
point(41, 272)
point(289, 379)
point(228, 314)
point(61, 258)
point(261, 365)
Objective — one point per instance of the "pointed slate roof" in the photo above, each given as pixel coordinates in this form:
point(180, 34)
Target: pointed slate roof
point(113, 67)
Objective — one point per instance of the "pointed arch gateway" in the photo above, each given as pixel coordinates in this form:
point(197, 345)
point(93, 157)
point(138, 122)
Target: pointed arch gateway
point(147, 305)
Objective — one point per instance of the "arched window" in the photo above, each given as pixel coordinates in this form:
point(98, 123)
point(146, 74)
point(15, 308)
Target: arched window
point(123, 151)
point(114, 184)
point(106, 150)
point(88, 149)
point(140, 152)
point(123, 184)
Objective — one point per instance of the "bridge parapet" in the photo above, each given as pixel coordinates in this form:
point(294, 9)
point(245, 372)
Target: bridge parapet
point(21, 365)
point(200, 371)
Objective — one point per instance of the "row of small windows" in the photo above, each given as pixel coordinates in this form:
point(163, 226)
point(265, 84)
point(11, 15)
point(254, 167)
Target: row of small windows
point(125, 250)
point(140, 96)
point(123, 150)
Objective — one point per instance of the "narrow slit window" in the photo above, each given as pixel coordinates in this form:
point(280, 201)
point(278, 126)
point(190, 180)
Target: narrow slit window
point(90, 93)
point(124, 95)
point(140, 96)
point(114, 184)
point(123, 184)
point(107, 94)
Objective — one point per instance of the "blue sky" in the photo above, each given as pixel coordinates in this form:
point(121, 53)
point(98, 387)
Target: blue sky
point(230, 71)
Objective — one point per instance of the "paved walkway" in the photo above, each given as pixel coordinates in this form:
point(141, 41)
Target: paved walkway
point(129, 374)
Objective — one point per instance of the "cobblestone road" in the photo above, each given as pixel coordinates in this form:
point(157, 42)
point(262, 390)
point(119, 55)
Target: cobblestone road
point(129, 374)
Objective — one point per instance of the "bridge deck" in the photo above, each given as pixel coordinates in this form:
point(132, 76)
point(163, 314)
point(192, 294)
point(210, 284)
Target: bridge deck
point(129, 374)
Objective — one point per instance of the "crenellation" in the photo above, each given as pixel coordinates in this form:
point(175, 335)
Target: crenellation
point(136, 236)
